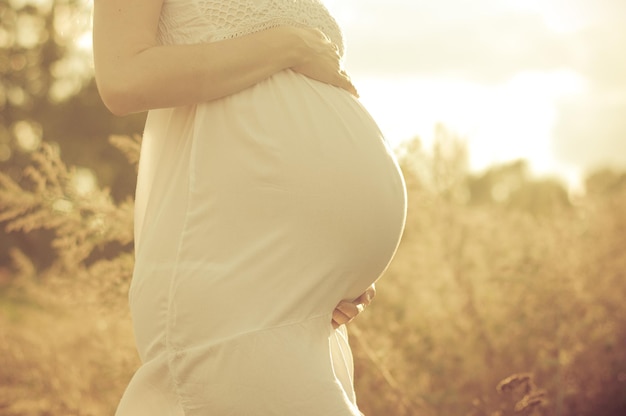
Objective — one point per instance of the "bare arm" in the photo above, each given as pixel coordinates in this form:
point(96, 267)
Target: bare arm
point(134, 73)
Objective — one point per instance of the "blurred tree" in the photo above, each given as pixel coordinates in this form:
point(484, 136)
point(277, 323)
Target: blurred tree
point(510, 185)
point(439, 172)
point(540, 196)
point(497, 183)
point(605, 181)
point(450, 165)
point(443, 173)
point(47, 93)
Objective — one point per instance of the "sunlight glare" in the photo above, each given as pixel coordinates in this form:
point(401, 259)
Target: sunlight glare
point(519, 116)
point(342, 11)
point(560, 17)
point(28, 134)
point(84, 42)
point(84, 181)
point(500, 123)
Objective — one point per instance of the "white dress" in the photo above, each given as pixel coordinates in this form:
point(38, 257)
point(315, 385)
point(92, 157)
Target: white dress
point(255, 215)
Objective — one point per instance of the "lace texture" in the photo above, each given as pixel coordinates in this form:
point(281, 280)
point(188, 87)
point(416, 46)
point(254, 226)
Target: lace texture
point(194, 21)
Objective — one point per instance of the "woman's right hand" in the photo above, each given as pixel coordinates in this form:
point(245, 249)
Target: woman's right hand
point(321, 59)
point(347, 310)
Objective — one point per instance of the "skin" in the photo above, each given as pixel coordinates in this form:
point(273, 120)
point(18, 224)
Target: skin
point(347, 310)
point(134, 73)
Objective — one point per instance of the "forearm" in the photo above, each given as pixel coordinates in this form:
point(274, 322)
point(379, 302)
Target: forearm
point(169, 76)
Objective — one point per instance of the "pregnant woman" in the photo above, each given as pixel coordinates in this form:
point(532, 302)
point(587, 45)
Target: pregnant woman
point(266, 196)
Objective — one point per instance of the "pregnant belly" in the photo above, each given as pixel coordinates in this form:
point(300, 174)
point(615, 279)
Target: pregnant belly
point(292, 183)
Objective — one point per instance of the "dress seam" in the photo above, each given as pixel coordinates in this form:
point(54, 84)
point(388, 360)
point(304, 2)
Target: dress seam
point(282, 325)
point(171, 350)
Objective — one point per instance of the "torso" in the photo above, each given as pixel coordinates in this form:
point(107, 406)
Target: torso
point(308, 151)
point(255, 215)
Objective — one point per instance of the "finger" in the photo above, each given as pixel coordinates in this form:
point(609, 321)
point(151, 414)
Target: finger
point(340, 318)
point(350, 86)
point(370, 293)
point(323, 35)
point(347, 310)
point(367, 296)
point(350, 309)
point(360, 307)
point(347, 85)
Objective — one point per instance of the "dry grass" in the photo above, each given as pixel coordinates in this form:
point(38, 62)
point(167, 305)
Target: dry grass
point(486, 311)
point(478, 294)
point(62, 362)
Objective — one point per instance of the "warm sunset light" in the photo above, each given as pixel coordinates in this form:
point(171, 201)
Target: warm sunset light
point(513, 78)
point(559, 15)
point(204, 233)
point(500, 122)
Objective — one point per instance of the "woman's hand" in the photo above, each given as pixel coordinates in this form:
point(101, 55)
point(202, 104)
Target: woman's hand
point(135, 72)
point(347, 310)
point(321, 60)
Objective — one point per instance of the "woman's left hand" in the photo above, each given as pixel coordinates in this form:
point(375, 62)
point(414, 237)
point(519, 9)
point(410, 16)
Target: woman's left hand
point(347, 310)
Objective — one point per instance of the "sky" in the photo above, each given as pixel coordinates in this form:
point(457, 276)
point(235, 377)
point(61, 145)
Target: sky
point(543, 80)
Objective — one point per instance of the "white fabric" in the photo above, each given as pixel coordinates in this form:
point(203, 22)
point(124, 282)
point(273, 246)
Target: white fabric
point(191, 21)
point(255, 215)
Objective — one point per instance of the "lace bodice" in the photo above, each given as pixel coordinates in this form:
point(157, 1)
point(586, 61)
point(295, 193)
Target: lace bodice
point(194, 21)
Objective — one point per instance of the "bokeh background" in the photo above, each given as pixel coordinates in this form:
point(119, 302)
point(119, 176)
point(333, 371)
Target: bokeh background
point(506, 295)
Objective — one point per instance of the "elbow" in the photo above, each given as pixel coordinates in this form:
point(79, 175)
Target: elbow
point(114, 106)
point(117, 102)
point(118, 98)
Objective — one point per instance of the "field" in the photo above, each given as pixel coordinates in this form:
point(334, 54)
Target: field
point(505, 297)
